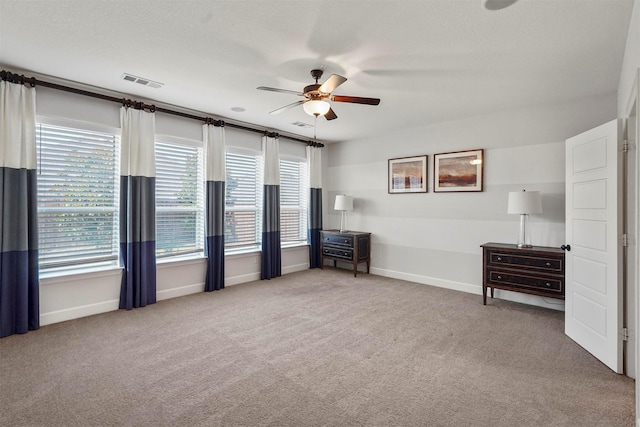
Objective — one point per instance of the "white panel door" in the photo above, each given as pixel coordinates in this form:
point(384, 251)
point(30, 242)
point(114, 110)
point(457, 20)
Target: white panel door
point(593, 306)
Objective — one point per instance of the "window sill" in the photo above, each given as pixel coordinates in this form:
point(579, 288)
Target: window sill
point(95, 271)
point(294, 245)
point(180, 260)
point(239, 253)
point(75, 273)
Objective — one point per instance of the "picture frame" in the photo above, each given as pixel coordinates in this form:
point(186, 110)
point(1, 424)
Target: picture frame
point(460, 171)
point(408, 175)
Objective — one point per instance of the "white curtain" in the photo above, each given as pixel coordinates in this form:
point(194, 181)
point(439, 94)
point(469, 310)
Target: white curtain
point(215, 158)
point(19, 281)
point(271, 265)
point(314, 162)
point(137, 208)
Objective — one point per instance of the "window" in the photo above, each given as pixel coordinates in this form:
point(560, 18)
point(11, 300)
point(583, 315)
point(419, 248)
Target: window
point(243, 205)
point(293, 201)
point(78, 187)
point(179, 199)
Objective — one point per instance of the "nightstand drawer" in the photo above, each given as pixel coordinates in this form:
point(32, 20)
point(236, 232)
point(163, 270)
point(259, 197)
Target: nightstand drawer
point(344, 253)
point(526, 281)
point(337, 239)
point(543, 263)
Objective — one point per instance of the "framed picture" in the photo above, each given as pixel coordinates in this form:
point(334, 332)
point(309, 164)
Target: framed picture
point(458, 172)
point(408, 175)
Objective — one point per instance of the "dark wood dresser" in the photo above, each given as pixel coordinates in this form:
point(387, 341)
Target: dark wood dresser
point(538, 270)
point(349, 246)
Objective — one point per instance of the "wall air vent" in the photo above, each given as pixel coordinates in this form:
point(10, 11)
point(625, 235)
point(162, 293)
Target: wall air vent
point(141, 80)
point(302, 125)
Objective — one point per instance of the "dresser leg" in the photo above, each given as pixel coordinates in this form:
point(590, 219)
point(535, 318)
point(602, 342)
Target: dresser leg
point(484, 294)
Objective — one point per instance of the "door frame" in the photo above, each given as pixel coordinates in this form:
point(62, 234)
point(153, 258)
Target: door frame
point(632, 215)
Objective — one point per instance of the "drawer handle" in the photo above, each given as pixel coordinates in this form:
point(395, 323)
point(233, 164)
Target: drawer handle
point(499, 277)
point(548, 285)
point(548, 264)
point(346, 253)
point(499, 258)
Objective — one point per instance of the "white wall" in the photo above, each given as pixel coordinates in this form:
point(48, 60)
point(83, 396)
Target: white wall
point(435, 238)
point(82, 294)
point(631, 61)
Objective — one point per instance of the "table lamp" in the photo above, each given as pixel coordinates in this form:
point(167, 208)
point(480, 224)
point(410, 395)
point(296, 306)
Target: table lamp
point(524, 203)
point(344, 204)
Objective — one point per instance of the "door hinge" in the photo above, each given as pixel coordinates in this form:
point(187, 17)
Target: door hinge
point(625, 240)
point(625, 334)
point(625, 146)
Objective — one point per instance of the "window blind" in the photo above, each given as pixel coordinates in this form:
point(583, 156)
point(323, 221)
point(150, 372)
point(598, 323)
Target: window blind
point(179, 200)
point(243, 201)
point(293, 201)
point(78, 187)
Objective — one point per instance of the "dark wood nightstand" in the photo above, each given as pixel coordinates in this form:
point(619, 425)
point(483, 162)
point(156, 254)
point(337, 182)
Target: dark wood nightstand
point(537, 271)
point(348, 246)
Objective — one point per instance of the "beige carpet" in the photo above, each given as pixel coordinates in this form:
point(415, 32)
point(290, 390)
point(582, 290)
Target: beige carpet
point(312, 348)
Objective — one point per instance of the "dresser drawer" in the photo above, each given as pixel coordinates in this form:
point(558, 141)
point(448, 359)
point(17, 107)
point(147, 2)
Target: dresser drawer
point(537, 270)
point(526, 281)
point(336, 252)
point(551, 264)
point(351, 247)
point(337, 239)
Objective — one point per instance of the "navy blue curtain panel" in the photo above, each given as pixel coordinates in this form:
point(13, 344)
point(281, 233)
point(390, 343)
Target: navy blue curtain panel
point(19, 281)
point(215, 236)
point(19, 291)
point(315, 225)
point(215, 161)
point(271, 252)
point(314, 162)
point(137, 209)
point(137, 241)
point(271, 262)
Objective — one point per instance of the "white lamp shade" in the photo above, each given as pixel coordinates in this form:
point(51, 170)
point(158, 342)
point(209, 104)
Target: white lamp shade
point(343, 203)
point(524, 202)
point(316, 107)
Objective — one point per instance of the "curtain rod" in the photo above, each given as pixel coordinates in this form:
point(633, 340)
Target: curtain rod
point(33, 82)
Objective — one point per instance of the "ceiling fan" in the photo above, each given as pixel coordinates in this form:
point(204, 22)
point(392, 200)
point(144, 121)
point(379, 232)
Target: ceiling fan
point(317, 95)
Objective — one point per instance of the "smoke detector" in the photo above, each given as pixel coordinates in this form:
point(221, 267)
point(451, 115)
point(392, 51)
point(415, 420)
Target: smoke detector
point(141, 81)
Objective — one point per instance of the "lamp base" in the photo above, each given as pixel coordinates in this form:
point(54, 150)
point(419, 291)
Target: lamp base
point(343, 222)
point(523, 238)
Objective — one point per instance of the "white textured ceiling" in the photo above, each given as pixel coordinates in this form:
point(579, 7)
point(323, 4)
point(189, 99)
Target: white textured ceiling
point(429, 61)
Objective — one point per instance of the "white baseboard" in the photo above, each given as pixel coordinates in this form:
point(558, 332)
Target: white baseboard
point(180, 292)
point(244, 278)
point(427, 280)
point(78, 312)
point(295, 268)
point(472, 289)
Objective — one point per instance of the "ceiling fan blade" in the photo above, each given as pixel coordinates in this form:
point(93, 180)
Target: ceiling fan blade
point(355, 99)
point(332, 82)
point(274, 89)
point(331, 115)
point(286, 107)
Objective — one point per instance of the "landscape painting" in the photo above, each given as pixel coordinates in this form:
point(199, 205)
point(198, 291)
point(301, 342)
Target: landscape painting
point(458, 172)
point(408, 175)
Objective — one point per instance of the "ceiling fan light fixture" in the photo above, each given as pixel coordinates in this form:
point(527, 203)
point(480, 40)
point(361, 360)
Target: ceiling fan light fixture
point(316, 107)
